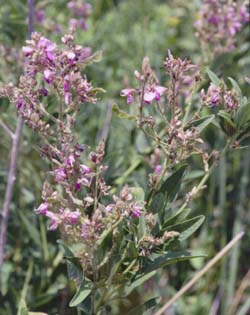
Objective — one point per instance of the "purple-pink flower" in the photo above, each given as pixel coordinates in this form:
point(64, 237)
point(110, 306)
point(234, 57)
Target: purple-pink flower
point(129, 94)
point(154, 94)
point(60, 175)
point(136, 212)
point(212, 97)
point(48, 75)
point(43, 208)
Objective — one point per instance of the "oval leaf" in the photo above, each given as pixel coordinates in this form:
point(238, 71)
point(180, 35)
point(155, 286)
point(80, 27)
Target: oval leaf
point(213, 77)
point(82, 293)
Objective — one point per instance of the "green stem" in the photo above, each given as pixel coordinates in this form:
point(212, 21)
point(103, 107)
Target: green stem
point(155, 189)
point(96, 190)
point(207, 175)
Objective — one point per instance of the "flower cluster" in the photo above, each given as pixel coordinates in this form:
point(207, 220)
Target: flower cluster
point(183, 78)
point(75, 192)
point(220, 96)
point(149, 90)
point(150, 243)
point(51, 68)
point(219, 22)
point(124, 205)
point(81, 11)
point(174, 142)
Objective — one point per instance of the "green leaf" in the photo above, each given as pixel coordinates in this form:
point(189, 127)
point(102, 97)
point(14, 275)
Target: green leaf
point(85, 306)
point(74, 267)
point(142, 143)
point(31, 229)
point(172, 184)
point(158, 202)
point(194, 175)
point(138, 193)
point(236, 87)
point(169, 258)
point(146, 307)
point(226, 123)
point(191, 226)
point(179, 215)
point(242, 115)
point(82, 293)
point(213, 77)
point(188, 227)
point(202, 123)
point(7, 269)
point(37, 313)
point(245, 143)
point(142, 229)
point(121, 114)
point(138, 281)
point(168, 190)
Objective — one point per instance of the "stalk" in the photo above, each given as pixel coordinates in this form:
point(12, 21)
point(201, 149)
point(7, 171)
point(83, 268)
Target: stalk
point(13, 159)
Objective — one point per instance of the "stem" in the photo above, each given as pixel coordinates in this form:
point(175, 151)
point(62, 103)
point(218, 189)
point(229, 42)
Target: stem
point(159, 181)
point(9, 188)
point(6, 129)
point(207, 175)
point(173, 101)
point(13, 159)
point(25, 286)
point(141, 101)
point(30, 17)
point(201, 273)
point(96, 190)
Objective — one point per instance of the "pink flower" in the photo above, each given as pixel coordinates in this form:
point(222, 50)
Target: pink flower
point(27, 51)
point(48, 75)
point(231, 101)
point(54, 223)
point(83, 25)
point(157, 169)
point(66, 86)
point(149, 97)
point(19, 104)
point(85, 169)
point(40, 16)
point(71, 217)
point(109, 207)
point(60, 175)
point(85, 53)
point(70, 160)
point(48, 47)
point(67, 98)
point(73, 23)
point(136, 213)
point(85, 228)
point(212, 97)
point(159, 91)
point(154, 94)
point(129, 94)
point(43, 208)
point(71, 56)
point(55, 220)
point(78, 185)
